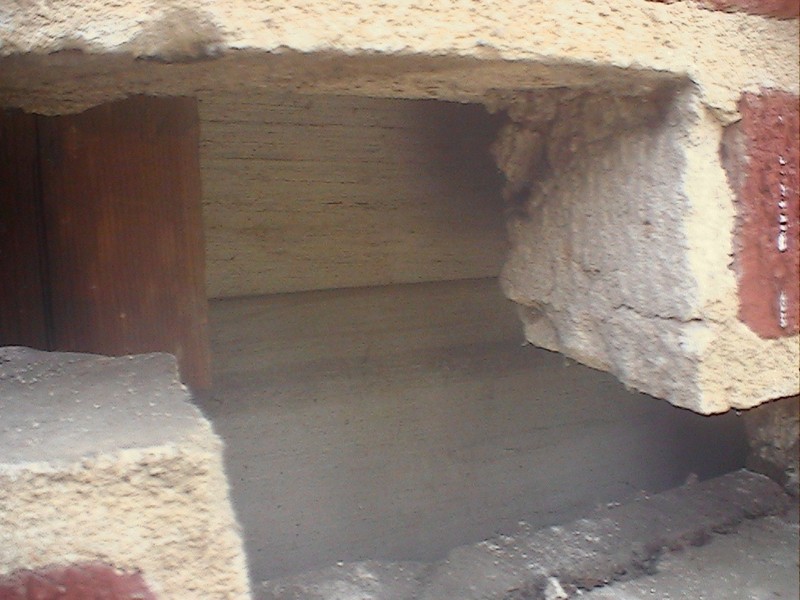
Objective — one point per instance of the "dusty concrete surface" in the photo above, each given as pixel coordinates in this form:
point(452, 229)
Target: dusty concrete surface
point(612, 543)
point(105, 460)
point(756, 561)
point(382, 423)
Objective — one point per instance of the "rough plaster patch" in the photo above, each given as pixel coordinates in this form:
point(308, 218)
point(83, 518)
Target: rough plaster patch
point(181, 35)
point(740, 370)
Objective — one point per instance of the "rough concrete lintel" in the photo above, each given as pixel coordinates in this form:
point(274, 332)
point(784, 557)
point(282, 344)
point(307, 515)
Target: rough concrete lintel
point(73, 81)
point(631, 35)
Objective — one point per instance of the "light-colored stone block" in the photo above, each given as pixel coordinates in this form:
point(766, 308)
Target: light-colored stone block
point(621, 246)
point(105, 460)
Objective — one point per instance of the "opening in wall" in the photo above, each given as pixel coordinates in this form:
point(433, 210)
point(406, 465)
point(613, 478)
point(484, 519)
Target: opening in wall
point(370, 377)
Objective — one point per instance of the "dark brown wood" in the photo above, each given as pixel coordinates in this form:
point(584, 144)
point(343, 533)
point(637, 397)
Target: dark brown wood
point(22, 301)
point(125, 252)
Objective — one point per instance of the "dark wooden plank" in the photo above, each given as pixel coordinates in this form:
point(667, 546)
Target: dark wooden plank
point(22, 303)
point(122, 204)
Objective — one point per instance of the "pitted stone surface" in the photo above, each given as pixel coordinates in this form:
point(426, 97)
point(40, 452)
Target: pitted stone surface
point(588, 237)
point(60, 408)
point(105, 460)
point(333, 48)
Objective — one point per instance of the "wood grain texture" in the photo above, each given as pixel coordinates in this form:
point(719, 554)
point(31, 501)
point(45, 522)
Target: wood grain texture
point(305, 193)
point(22, 300)
point(121, 196)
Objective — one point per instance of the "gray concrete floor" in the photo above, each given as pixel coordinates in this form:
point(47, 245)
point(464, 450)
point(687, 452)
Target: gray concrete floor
point(395, 423)
point(757, 561)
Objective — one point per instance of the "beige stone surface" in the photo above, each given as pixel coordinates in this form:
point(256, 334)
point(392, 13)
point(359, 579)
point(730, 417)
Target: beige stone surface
point(501, 44)
point(104, 459)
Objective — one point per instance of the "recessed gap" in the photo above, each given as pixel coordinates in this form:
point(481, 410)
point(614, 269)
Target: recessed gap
point(371, 383)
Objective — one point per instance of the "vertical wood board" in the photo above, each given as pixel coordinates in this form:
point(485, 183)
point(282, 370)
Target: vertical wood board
point(22, 300)
point(121, 195)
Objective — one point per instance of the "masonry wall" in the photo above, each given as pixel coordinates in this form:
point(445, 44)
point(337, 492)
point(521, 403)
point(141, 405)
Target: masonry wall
point(726, 337)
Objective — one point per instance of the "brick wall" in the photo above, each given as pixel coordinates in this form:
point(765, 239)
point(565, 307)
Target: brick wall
point(761, 156)
point(89, 581)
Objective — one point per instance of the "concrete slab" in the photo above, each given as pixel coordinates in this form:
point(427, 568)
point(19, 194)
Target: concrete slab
point(757, 561)
point(104, 462)
point(381, 423)
point(613, 543)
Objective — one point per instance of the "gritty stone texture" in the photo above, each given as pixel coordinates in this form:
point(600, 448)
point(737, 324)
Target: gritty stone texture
point(587, 234)
point(615, 542)
point(761, 154)
point(105, 460)
point(655, 195)
point(441, 49)
point(371, 580)
point(773, 433)
point(75, 582)
point(601, 190)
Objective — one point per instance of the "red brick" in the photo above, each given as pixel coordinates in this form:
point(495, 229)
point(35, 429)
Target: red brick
point(90, 581)
point(782, 9)
point(40, 586)
point(761, 155)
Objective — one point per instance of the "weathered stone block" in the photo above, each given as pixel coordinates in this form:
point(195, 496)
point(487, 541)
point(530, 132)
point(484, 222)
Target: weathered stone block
point(105, 461)
point(621, 243)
